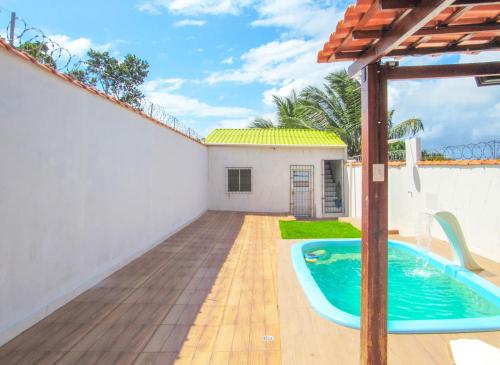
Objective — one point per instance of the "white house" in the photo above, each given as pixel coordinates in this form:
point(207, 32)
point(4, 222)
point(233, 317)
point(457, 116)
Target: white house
point(278, 170)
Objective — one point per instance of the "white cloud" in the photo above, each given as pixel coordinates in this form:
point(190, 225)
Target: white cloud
point(234, 123)
point(304, 16)
point(227, 61)
point(194, 7)
point(270, 116)
point(286, 65)
point(76, 47)
point(481, 57)
point(276, 62)
point(182, 106)
point(148, 7)
point(284, 91)
point(454, 111)
point(159, 91)
point(290, 62)
point(301, 17)
point(190, 23)
point(165, 85)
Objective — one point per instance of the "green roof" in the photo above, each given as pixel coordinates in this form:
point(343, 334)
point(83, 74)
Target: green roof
point(273, 137)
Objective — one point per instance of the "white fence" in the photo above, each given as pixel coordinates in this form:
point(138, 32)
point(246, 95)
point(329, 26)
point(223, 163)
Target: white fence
point(471, 192)
point(86, 185)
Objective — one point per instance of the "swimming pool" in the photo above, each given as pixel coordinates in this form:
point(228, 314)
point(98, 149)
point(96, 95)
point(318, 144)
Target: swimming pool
point(427, 293)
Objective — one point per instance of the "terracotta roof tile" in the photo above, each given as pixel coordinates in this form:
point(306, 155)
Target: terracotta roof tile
point(341, 46)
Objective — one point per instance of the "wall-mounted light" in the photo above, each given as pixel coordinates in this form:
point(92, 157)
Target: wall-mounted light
point(392, 64)
point(488, 80)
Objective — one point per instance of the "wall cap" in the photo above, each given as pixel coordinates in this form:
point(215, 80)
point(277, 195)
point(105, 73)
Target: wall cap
point(390, 163)
point(459, 163)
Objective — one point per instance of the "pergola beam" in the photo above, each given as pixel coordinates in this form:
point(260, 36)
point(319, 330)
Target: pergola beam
point(491, 46)
point(457, 14)
point(475, 2)
point(416, 19)
point(440, 30)
point(443, 71)
point(424, 51)
point(404, 4)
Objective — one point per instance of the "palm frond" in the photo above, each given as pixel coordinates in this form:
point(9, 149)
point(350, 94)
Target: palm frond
point(336, 106)
point(262, 123)
point(407, 128)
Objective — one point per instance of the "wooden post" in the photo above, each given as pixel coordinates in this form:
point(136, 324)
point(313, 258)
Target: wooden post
point(374, 216)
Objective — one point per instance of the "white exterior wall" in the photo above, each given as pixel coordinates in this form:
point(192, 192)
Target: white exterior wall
point(471, 193)
point(270, 176)
point(85, 187)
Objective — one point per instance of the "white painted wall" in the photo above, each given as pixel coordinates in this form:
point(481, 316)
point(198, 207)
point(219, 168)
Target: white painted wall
point(472, 193)
point(85, 186)
point(270, 176)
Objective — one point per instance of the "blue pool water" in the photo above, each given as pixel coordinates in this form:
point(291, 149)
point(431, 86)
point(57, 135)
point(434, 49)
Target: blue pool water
point(426, 293)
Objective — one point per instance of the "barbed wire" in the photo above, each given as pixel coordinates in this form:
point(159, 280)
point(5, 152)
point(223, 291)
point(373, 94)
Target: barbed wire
point(397, 155)
point(60, 57)
point(161, 114)
point(489, 150)
point(33, 41)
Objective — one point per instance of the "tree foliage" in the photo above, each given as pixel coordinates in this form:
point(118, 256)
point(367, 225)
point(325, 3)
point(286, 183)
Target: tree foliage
point(397, 146)
point(433, 156)
point(336, 107)
point(39, 51)
point(120, 79)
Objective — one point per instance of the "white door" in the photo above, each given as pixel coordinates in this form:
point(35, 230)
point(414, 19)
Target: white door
point(302, 190)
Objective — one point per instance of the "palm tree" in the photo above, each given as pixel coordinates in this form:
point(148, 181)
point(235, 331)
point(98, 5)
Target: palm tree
point(409, 127)
point(335, 107)
point(289, 112)
point(260, 122)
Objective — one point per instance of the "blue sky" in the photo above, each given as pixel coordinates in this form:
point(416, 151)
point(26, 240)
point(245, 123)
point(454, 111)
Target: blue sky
point(216, 63)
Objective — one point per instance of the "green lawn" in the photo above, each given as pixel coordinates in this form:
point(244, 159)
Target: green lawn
point(318, 229)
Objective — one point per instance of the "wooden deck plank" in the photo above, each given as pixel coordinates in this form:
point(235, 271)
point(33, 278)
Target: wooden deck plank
point(206, 295)
point(209, 295)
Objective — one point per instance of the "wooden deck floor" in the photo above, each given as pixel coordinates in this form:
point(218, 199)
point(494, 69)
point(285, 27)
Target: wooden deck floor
point(208, 295)
point(205, 296)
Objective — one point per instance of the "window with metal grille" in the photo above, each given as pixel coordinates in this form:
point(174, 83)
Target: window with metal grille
point(239, 180)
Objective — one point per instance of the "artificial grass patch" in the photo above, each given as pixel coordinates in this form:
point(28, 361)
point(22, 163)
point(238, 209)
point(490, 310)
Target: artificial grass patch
point(318, 229)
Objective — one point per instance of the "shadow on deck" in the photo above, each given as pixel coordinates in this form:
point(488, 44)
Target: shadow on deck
point(155, 310)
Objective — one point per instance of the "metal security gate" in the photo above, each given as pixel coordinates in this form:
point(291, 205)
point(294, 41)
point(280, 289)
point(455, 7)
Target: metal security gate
point(302, 190)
